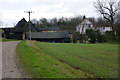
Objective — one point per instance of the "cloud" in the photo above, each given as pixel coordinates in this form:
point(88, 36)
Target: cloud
point(11, 11)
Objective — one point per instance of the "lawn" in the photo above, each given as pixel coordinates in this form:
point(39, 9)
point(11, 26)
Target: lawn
point(73, 60)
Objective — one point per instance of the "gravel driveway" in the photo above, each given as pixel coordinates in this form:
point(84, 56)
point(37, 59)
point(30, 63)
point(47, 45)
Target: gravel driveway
point(9, 66)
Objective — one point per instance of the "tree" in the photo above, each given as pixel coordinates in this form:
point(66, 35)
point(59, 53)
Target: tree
point(108, 10)
point(54, 22)
point(44, 22)
point(101, 22)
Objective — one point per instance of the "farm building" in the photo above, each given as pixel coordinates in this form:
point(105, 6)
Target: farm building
point(48, 34)
point(18, 32)
point(86, 24)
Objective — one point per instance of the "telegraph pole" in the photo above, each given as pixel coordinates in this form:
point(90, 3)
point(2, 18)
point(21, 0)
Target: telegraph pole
point(29, 12)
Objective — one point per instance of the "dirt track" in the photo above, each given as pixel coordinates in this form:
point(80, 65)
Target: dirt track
point(9, 66)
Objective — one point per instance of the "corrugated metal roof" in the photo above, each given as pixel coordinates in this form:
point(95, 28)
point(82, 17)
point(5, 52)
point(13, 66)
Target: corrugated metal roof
point(48, 35)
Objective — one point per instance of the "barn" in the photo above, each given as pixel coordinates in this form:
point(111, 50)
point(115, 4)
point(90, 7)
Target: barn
point(47, 34)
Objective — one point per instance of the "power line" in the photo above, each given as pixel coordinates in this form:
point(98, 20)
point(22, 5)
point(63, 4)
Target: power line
point(29, 12)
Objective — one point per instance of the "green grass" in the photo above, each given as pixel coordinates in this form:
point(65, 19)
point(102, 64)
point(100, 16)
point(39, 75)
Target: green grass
point(5, 40)
point(37, 64)
point(101, 60)
point(61, 60)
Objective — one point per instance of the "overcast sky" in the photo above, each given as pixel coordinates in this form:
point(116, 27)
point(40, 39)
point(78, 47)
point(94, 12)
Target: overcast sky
point(11, 11)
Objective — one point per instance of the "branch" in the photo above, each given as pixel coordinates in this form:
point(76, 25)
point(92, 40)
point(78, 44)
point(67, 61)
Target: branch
point(107, 8)
point(106, 17)
point(106, 14)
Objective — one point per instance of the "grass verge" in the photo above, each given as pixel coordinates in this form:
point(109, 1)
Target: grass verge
point(5, 40)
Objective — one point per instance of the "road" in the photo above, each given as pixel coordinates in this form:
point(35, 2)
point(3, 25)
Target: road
point(10, 69)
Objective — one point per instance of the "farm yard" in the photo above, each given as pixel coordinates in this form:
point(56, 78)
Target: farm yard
point(61, 60)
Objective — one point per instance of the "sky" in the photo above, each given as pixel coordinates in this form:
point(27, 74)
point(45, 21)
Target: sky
point(12, 11)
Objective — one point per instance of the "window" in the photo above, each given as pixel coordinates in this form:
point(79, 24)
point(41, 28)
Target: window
point(89, 25)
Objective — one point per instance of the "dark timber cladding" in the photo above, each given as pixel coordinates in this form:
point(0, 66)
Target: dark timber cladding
point(44, 34)
point(50, 36)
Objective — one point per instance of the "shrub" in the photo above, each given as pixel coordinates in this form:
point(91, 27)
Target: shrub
point(76, 36)
point(95, 36)
point(91, 35)
point(100, 38)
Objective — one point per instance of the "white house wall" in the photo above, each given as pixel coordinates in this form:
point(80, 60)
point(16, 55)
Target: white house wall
point(85, 27)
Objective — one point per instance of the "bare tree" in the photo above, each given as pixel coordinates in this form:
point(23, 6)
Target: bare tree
point(108, 10)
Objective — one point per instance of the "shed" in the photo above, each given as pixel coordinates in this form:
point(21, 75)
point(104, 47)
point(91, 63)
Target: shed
point(49, 36)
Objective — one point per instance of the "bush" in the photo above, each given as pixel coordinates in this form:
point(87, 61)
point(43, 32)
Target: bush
point(91, 35)
point(95, 36)
point(100, 38)
point(76, 36)
point(74, 40)
point(109, 35)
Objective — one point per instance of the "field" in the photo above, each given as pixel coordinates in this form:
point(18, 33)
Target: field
point(68, 59)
